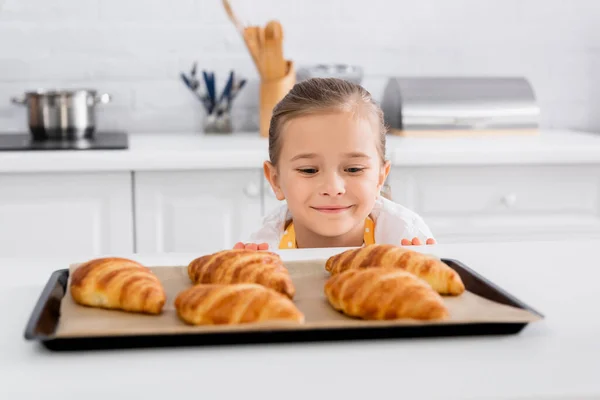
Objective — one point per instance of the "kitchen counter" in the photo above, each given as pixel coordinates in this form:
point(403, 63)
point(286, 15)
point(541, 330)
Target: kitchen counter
point(185, 151)
point(557, 357)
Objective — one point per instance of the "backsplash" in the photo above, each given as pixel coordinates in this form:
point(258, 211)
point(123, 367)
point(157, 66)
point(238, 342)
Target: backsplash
point(135, 50)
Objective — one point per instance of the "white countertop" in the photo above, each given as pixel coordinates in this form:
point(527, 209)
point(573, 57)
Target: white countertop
point(180, 151)
point(557, 357)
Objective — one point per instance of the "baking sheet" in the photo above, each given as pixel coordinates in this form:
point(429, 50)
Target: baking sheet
point(309, 278)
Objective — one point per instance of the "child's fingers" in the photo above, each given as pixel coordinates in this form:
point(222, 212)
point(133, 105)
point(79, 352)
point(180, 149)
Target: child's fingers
point(416, 241)
point(405, 242)
point(251, 246)
point(263, 246)
point(430, 241)
point(239, 245)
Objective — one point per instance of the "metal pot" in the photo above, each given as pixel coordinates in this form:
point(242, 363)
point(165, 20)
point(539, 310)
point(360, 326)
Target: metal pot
point(62, 114)
point(352, 73)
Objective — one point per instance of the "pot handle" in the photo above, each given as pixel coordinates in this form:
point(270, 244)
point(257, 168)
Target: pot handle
point(18, 100)
point(103, 98)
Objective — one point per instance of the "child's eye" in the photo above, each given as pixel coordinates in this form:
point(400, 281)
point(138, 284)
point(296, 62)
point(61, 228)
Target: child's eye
point(307, 171)
point(354, 170)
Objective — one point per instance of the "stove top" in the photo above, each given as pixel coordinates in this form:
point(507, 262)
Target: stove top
point(100, 141)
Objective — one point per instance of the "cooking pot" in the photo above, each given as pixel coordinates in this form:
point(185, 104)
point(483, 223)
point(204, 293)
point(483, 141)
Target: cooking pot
point(62, 114)
point(352, 73)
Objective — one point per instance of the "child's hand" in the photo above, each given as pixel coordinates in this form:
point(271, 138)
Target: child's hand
point(416, 242)
point(251, 246)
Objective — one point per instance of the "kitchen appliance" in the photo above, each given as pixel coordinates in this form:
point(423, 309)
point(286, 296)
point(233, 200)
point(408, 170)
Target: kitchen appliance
point(62, 114)
point(460, 106)
point(99, 141)
point(352, 73)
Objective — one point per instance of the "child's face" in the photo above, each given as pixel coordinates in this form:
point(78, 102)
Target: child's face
point(330, 172)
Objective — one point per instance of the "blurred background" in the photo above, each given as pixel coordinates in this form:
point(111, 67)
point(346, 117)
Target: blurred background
point(135, 49)
point(492, 106)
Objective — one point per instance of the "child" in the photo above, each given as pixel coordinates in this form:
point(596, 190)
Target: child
point(327, 160)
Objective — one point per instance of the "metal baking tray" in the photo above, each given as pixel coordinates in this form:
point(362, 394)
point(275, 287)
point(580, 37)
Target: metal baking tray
point(44, 319)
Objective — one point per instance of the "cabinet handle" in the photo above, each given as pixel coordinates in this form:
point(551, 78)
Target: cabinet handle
point(509, 200)
point(252, 190)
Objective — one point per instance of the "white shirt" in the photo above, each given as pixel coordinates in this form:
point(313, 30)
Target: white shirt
point(393, 223)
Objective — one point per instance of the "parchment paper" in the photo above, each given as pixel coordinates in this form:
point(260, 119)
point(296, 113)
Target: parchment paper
point(309, 278)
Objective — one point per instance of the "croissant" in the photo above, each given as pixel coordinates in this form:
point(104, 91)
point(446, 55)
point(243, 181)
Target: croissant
point(384, 293)
point(117, 283)
point(243, 266)
point(212, 304)
point(439, 275)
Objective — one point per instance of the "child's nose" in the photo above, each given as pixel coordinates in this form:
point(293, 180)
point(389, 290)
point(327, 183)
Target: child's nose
point(333, 186)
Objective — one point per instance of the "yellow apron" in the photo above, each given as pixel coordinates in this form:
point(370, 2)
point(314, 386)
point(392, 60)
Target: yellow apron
point(288, 240)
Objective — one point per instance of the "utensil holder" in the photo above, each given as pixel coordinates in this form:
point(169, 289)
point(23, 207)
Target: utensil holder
point(218, 123)
point(271, 93)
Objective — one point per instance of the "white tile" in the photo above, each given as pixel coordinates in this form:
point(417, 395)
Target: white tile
point(149, 11)
point(45, 11)
point(135, 49)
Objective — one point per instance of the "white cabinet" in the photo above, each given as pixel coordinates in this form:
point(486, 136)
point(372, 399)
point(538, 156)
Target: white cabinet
point(65, 214)
point(83, 214)
point(503, 203)
point(196, 211)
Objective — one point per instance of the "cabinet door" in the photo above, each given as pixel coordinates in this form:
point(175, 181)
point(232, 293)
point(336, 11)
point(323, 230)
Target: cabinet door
point(195, 211)
point(65, 214)
point(506, 203)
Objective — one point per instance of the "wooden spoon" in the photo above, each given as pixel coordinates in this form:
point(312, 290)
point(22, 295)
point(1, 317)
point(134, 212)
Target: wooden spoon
point(250, 35)
point(239, 26)
point(275, 66)
point(252, 39)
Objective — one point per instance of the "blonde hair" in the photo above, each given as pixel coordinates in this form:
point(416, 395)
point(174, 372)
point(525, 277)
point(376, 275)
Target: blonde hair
point(318, 95)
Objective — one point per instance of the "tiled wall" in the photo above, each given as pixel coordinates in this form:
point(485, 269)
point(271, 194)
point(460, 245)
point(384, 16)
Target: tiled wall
point(135, 49)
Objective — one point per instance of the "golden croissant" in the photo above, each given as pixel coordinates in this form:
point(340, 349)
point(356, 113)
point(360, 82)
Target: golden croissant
point(243, 266)
point(117, 283)
point(384, 293)
point(215, 304)
point(439, 275)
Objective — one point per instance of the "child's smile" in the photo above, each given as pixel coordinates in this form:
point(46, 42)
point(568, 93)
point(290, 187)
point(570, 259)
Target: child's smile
point(330, 173)
point(331, 209)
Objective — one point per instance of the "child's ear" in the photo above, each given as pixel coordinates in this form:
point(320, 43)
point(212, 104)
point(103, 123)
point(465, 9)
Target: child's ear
point(271, 174)
point(384, 171)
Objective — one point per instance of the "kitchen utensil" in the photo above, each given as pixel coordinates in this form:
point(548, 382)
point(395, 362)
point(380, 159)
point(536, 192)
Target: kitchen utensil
point(253, 36)
point(254, 39)
point(218, 108)
point(273, 63)
point(194, 81)
point(270, 93)
point(237, 85)
point(209, 80)
point(62, 114)
point(239, 26)
point(225, 99)
point(265, 46)
point(59, 324)
point(195, 88)
point(277, 74)
point(352, 73)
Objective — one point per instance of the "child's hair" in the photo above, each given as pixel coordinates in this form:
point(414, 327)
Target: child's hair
point(319, 95)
